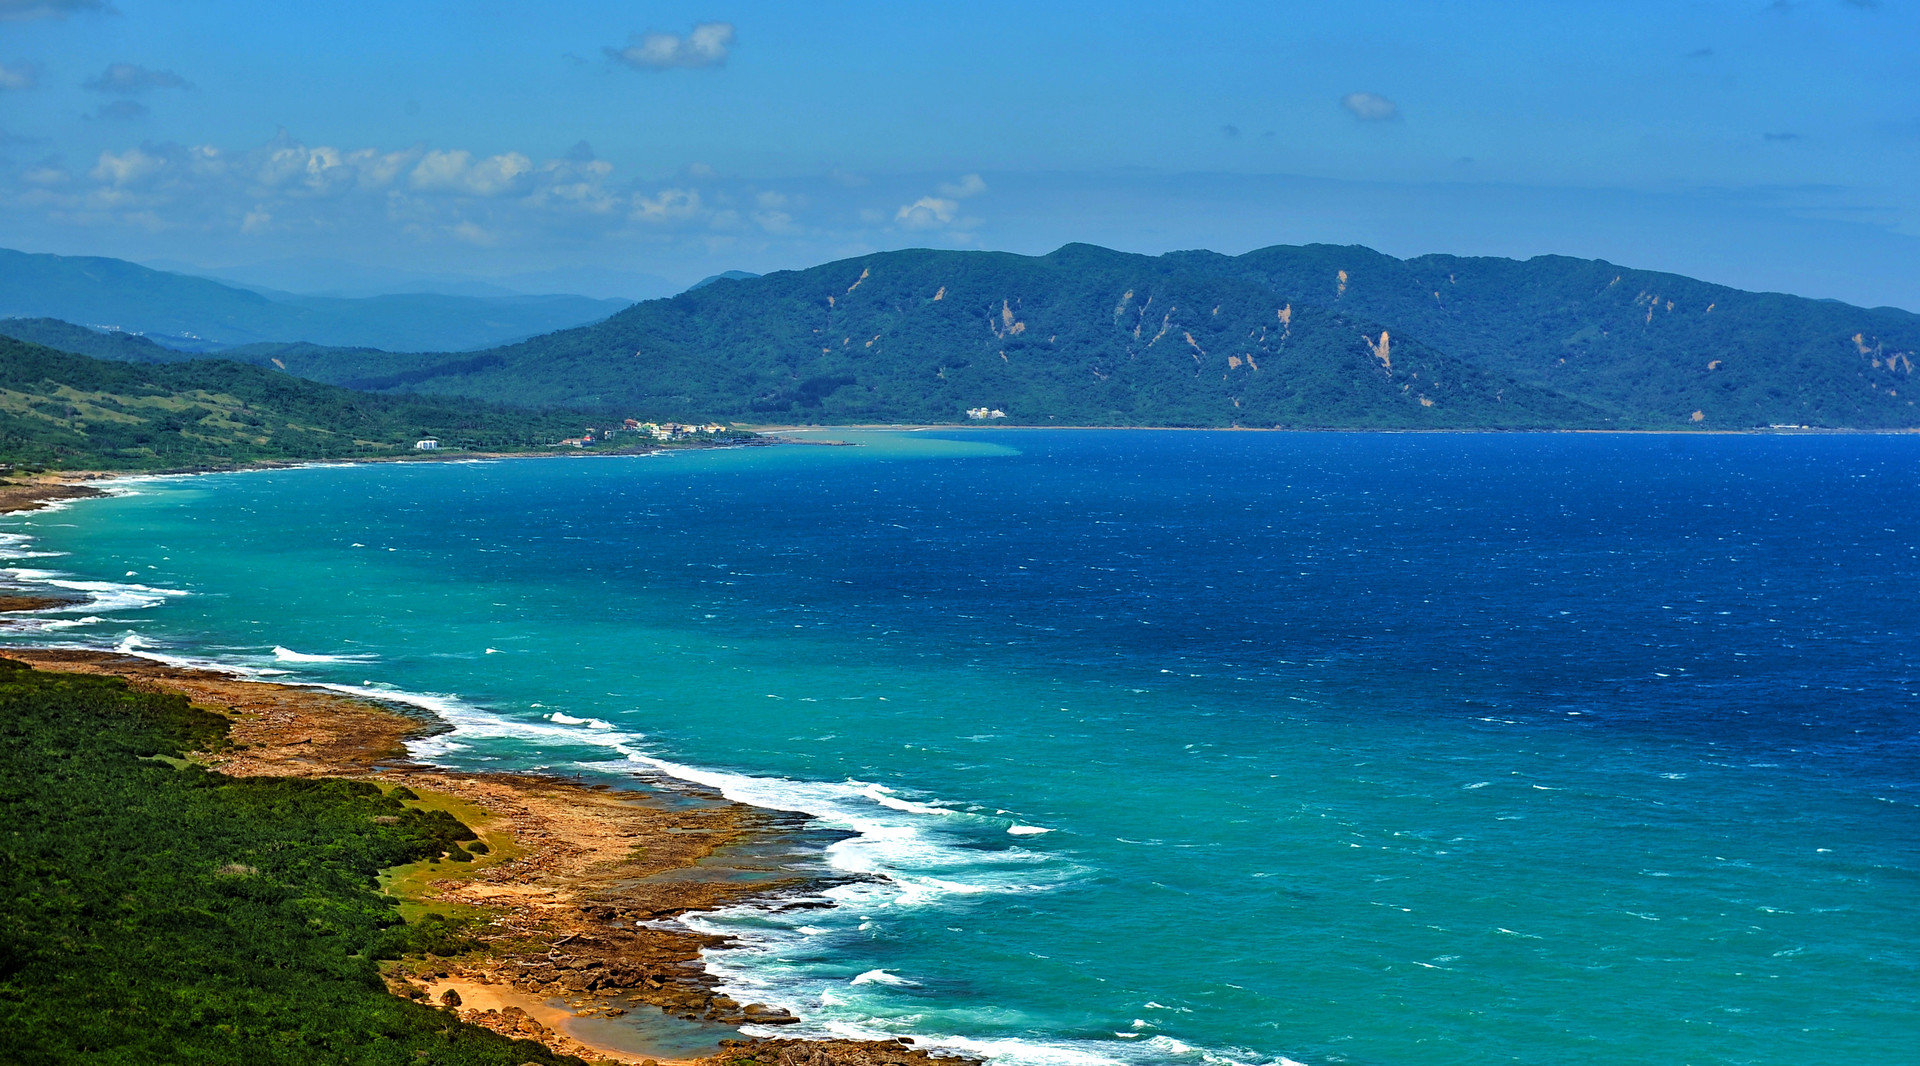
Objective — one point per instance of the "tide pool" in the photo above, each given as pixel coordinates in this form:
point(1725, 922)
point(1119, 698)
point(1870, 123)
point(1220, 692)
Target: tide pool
point(1165, 747)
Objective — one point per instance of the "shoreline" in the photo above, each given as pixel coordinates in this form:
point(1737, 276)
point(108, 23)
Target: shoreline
point(571, 901)
point(567, 905)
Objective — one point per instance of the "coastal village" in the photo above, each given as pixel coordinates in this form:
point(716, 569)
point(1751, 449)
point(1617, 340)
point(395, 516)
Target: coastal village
point(659, 431)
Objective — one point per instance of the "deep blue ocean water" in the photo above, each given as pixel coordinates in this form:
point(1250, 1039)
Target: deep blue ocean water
point(1168, 747)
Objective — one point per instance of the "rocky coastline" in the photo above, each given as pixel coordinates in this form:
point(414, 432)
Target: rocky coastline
point(567, 904)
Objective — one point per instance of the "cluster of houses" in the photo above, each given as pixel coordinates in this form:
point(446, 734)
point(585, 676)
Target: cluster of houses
point(983, 413)
point(656, 430)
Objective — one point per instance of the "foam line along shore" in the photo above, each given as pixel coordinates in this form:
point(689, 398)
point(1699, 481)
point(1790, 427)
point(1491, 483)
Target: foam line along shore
point(586, 949)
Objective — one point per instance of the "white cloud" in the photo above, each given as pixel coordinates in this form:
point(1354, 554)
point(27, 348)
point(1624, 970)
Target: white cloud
point(458, 172)
point(928, 212)
point(1370, 107)
point(968, 185)
point(27, 10)
point(706, 45)
point(131, 167)
point(669, 205)
point(19, 76)
point(128, 79)
point(444, 197)
point(472, 233)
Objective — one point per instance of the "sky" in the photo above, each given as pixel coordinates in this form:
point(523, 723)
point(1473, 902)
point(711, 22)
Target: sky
point(606, 148)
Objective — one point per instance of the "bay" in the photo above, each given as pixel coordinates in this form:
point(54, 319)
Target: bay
point(1161, 746)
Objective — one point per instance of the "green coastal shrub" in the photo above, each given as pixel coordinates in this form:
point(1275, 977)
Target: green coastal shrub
point(150, 914)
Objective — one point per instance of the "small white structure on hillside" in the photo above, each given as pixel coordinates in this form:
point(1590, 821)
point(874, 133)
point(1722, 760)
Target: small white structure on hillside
point(428, 445)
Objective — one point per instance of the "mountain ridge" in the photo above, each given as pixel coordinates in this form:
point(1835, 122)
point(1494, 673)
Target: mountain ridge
point(1308, 336)
point(1286, 335)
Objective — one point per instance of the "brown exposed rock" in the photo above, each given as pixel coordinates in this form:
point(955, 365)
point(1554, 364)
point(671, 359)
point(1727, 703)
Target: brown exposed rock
point(573, 872)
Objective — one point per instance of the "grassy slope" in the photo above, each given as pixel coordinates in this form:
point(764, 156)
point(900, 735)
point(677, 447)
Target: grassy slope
point(150, 913)
point(61, 409)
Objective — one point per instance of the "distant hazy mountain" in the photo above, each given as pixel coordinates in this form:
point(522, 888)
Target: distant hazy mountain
point(1295, 336)
point(198, 314)
point(318, 276)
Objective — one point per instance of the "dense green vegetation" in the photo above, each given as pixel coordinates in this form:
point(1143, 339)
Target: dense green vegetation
point(63, 410)
point(197, 314)
point(152, 911)
point(1087, 336)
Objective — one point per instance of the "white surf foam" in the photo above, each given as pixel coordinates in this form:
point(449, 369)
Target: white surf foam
point(893, 841)
point(288, 655)
point(882, 977)
point(90, 598)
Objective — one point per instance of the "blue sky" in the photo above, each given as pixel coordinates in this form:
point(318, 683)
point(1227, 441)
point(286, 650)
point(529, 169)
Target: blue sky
point(1768, 145)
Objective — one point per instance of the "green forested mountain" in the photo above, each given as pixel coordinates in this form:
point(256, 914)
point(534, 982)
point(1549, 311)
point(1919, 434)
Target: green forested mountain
point(66, 410)
point(1642, 343)
point(197, 314)
point(1289, 336)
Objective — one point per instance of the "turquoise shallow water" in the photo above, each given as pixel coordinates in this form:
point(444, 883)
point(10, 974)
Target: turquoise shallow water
point(1168, 747)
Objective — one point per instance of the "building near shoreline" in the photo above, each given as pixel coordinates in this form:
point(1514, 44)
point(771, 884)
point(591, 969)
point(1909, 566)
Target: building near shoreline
point(427, 445)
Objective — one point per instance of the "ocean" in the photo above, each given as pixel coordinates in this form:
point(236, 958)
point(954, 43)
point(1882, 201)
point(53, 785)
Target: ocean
point(1163, 747)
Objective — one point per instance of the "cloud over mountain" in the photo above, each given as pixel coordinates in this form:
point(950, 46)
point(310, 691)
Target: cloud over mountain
point(708, 44)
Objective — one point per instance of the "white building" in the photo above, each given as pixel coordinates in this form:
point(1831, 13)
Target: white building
point(428, 445)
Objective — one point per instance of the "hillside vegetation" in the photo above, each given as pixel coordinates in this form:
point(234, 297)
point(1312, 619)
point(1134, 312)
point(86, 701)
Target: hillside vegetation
point(1315, 336)
point(65, 410)
point(196, 314)
point(152, 911)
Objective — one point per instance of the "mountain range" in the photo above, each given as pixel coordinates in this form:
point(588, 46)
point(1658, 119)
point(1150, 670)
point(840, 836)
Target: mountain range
point(1315, 336)
point(1297, 336)
point(200, 314)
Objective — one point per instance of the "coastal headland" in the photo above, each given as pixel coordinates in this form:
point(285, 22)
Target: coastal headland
point(562, 915)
